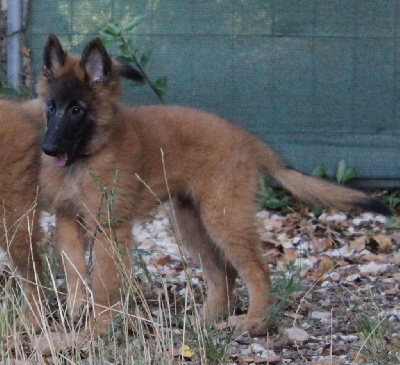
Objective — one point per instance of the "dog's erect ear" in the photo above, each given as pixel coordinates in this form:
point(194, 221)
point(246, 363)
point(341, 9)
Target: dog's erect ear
point(95, 62)
point(54, 56)
point(128, 72)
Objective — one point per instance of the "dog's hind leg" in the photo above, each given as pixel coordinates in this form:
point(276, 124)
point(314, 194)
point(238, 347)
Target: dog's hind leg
point(240, 244)
point(228, 214)
point(219, 274)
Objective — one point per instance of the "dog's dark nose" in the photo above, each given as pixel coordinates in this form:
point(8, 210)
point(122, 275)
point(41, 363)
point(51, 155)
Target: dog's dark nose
point(50, 149)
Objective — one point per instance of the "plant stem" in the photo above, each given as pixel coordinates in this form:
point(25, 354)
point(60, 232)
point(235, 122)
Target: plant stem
point(141, 69)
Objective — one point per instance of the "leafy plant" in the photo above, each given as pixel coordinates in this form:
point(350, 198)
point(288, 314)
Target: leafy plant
point(392, 198)
point(270, 198)
point(379, 347)
point(9, 93)
point(321, 171)
point(343, 175)
point(115, 34)
point(206, 343)
point(283, 287)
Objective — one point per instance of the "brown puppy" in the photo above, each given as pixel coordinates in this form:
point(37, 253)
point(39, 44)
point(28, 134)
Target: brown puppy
point(211, 166)
point(21, 126)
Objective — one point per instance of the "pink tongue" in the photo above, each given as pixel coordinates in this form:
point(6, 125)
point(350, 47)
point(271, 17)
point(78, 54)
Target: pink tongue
point(61, 161)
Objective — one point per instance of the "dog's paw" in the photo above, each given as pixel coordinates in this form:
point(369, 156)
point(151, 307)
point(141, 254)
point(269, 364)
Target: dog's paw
point(252, 326)
point(78, 310)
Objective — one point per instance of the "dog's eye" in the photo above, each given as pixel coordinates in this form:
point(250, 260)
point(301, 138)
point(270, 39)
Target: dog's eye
point(76, 110)
point(51, 108)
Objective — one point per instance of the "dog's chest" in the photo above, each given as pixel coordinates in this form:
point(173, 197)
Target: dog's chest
point(73, 184)
point(73, 190)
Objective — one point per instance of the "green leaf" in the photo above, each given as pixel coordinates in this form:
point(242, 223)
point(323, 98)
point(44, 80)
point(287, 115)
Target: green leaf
point(161, 84)
point(320, 171)
point(125, 49)
point(131, 45)
point(344, 174)
point(135, 22)
point(350, 174)
point(107, 39)
point(113, 29)
point(125, 59)
point(106, 35)
point(273, 203)
point(341, 171)
point(144, 59)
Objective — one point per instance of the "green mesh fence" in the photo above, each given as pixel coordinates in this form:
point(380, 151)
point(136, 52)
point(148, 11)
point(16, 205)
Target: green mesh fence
point(3, 46)
point(317, 80)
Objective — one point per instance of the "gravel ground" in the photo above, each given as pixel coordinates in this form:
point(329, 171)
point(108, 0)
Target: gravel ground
point(349, 273)
point(344, 307)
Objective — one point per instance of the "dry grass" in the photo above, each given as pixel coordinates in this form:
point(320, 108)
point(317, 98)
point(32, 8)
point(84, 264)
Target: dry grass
point(150, 327)
point(153, 326)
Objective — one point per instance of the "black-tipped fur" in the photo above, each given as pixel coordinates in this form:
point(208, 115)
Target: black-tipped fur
point(361, 200)
point(53, 56)
point(128, 72)
point(374, 205)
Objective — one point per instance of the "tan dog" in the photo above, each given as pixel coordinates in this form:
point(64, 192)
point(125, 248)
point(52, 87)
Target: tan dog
point(21, 126)
point(212, 168)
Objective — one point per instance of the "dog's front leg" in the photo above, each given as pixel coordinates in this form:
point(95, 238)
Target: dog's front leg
point(25, 258)
point(111, 272)
point(72, 248)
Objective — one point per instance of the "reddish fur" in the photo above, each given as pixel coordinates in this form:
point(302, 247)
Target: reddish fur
point(21, 125)
point(213, 164)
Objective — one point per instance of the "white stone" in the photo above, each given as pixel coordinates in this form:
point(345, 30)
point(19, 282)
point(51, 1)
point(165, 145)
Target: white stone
point(147, 244)
point(320, 315)
point(287, 244)
point(336, 218)
point(373, 268)
point(349, 338)
point(326, 284)
point(381, 219)
point(282, 237)
point(267, 354)
point(338, 252)
point(246, 351)
point(297, 334)
point(335, 276)
point(357, 221)
point(257, 348)
point(263, 214)
point(296, 240)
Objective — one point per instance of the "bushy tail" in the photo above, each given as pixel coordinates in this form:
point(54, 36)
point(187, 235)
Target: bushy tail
point(314, 190)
